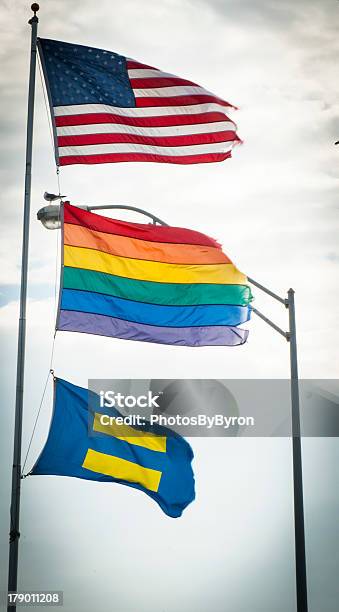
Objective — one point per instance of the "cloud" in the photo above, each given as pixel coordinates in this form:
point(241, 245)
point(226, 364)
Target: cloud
point(274, 207)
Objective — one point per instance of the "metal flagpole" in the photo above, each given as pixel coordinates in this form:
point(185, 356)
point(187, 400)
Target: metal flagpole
point(16, 472)
point(299, 526)
point(298, 496)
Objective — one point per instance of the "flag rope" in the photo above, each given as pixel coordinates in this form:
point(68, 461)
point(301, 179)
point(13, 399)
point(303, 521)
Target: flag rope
point(49, 120)
point(50, 371)
point(46, 105)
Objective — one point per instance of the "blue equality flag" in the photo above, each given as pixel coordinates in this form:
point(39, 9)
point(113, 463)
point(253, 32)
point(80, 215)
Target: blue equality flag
point(82, 444)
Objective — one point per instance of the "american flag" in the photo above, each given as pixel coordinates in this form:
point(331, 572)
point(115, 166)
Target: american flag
point(108, 108)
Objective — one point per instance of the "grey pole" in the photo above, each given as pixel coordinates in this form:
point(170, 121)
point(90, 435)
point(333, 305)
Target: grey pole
point(299, 527)
point(16, 472)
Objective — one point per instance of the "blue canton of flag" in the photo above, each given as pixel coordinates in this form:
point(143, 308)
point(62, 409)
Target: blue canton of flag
point(78, 75)
point(108, 108)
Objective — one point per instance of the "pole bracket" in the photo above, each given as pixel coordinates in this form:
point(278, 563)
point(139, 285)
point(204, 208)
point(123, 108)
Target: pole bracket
point(270, 323)
point(13, 535)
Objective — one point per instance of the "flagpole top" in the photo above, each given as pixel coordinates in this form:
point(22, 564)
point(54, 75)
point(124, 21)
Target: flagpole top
point(35, 7)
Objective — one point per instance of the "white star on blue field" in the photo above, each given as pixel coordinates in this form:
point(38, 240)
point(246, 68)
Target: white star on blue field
point(77, 76)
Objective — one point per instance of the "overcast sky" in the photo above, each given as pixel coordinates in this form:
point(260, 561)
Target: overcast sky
point(274, 208)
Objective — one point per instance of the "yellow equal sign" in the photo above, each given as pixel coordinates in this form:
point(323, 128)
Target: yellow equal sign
point(129, 434)
point(122, 469)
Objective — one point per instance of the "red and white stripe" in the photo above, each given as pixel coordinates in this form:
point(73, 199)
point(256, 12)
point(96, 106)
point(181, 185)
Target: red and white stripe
point(174, 121)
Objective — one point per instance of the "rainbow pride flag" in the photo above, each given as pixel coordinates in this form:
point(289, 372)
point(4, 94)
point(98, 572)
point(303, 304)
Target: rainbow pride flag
point(150, 283)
